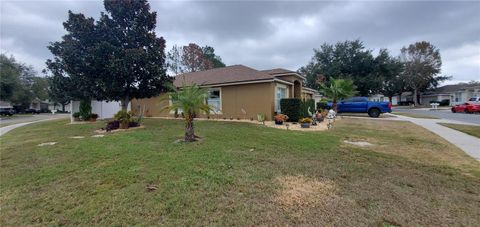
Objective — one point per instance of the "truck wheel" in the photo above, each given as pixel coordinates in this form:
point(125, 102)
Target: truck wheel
point(374, 112)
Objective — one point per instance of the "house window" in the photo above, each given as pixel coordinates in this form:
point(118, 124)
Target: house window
point(214, 99)
point(281, 93)
point(170, 103)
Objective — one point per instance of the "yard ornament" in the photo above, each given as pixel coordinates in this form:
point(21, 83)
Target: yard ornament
point(331, 118)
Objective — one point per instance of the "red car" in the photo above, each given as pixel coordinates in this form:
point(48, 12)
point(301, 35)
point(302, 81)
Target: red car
point(472, 108)
point(460, 108)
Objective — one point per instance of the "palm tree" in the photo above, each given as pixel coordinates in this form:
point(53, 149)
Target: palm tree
point(191, 101)
point(338, 89)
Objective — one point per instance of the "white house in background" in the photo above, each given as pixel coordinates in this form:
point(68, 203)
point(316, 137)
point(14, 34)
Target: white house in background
point(104, 109)
point(383, 98)
point(455, 93)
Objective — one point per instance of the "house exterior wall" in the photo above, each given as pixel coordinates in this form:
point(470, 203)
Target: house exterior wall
point(253, 98)
point(295, 90)
point(151, 107)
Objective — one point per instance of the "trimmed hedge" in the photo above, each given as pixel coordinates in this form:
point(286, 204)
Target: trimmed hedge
point(291, 108)
point(305, 106)
point(322, 105)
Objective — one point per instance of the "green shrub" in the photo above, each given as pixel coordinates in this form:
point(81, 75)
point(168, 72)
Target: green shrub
point(85, 109)
point(122, 116)
point(291, 108)
point(445, 102)
point(306, 106)
point(76, 115)
point(322, 105)
point(261, 117)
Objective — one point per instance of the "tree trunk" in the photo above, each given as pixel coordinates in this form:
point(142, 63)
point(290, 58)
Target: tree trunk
point(63, 107)
point(189, 129)
point(390, 98)
point(124, 103)
point(415, 98)
point(334, 104)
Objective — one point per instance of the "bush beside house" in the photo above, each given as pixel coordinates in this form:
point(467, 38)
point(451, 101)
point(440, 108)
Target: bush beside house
point(291, 107)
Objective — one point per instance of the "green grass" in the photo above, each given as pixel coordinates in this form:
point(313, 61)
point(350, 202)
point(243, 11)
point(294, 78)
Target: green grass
point(468, 129)
point(415, 115)
point(239, 174)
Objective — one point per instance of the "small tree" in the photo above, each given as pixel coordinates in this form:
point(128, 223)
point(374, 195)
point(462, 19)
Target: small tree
point(338, 89)
point(193, 58)
point(174, 60)
point(190, 100)
point(422, 65)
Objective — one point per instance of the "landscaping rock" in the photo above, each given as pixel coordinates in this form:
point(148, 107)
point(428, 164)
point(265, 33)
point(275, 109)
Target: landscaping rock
point(77, 137)
point(97, 136)
point(47, 144)
point(359, 143)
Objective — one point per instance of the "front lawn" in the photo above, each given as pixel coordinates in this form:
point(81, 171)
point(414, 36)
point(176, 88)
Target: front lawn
point(239, 174)
point(468, 129)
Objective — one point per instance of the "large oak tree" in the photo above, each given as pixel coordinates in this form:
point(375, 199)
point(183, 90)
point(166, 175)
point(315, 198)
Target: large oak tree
point(422, 67)
point(349, 60)
point(117, 58)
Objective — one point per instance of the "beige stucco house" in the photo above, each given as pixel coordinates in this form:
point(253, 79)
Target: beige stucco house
point(236, 91)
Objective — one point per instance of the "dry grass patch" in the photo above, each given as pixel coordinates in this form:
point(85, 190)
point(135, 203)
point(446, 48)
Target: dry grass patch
point(298, 194)
point(407, 140)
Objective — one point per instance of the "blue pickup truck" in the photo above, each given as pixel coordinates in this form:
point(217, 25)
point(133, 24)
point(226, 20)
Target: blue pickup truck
point(362, 105)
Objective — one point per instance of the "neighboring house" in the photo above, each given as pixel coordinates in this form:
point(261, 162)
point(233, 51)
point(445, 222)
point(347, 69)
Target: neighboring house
point(5, 104)
point(235, 91)
point(383, 98)
point(38, 104)
point(456, 93)
point(104, 109)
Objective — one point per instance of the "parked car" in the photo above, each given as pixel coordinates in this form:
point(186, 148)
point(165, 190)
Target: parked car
point(472, 108)
point(405, 103)
point(362, 105)
point(460, 108)
point(7, 111)
point(474, 100)
point(32, 111)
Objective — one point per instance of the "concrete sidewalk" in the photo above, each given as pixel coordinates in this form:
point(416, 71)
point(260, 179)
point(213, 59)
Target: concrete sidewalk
point(469, 144)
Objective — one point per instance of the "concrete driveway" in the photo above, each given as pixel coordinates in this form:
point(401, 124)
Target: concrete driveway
point(20, 121)
point(443, 114)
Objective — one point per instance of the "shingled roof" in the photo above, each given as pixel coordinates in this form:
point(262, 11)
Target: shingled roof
point(229, 74)
point(277, 71)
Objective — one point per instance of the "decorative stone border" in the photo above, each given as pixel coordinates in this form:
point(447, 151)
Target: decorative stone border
point(294, 127)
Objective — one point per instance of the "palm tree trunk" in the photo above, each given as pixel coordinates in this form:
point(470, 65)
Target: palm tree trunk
point(334, 104)
point(189, 129)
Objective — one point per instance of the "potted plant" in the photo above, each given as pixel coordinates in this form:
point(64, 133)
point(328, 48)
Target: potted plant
point(123, 117)
point(93, 117)
point(305, 122)
point(76, 116)
point(319, 117)
point(280, 118)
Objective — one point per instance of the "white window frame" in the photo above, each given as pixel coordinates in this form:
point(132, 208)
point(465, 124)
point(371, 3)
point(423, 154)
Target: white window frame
point(219, 89)
point(277, 99)
point(170, 102)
